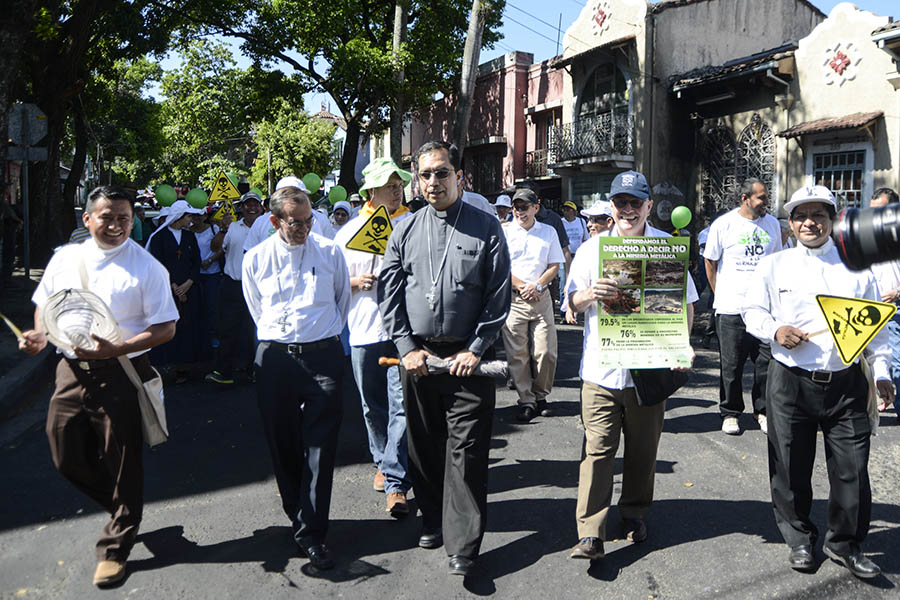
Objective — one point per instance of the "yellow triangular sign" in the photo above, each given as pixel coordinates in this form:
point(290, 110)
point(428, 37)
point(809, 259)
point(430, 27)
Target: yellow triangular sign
point(853, 322)
point(372, 237)
point(223, 189)
point(226, 208)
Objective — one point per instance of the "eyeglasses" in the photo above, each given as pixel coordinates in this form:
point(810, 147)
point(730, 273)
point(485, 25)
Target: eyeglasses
point(621, 203)
point(522, 206)
point(299, 224)
point(439, 173)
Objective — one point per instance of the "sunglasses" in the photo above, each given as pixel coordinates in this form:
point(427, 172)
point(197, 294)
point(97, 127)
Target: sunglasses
point(522, 206)
point(601, 220)
point(439, 173)
point(635, 203)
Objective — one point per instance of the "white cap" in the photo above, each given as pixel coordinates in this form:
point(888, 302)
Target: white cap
point(600, 208)
point(503, 200)
point(810, 193)
point(291, 181)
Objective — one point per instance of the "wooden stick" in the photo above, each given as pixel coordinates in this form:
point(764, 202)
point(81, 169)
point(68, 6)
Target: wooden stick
point(809, 335)
point(384, 361)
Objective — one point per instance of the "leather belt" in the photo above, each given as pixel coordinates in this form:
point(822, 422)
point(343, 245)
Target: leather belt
point(821, 376)
point(297, 349)
point(94, 365)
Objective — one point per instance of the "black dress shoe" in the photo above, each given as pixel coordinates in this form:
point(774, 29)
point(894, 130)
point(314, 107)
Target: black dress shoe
point(543, 408)
point(526, 414)
point(802, 558)
point(460, 565)
point(855, 562)
point(431, 538)
point(318, 555)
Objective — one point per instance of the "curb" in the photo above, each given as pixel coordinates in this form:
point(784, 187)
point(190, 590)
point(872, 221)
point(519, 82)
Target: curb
point(18, 386)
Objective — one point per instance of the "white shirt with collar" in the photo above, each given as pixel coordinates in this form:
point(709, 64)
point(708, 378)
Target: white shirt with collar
point(133, 284)
point(532, 251)
point(737, 244)
point(233, 245)
point(585, 269)
point(262, 229)
point(888, 275)
point(203, 241)
point(364, 319)
point(783, 291)
point(296, 294)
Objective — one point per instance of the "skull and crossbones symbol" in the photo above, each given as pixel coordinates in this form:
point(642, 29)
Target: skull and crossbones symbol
point(378, 234)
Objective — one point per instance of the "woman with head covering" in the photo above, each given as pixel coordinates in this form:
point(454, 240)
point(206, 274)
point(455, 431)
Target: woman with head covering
point(174, 245)
point(341, 214)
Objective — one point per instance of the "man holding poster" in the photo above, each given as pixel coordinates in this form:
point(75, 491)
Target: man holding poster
point(609, 403)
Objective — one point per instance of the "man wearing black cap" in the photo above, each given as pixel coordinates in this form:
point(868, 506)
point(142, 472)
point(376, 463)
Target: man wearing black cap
point(809, 387)
point(529, 334)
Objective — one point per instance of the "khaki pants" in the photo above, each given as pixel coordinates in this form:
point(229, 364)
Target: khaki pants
point(529, 336)
point(605, 414)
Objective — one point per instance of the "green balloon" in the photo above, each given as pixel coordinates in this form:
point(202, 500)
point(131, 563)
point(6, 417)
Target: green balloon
point(312, 182)
point(257, 191)
point(197, 198)
point(681, 216)
point(165, 195)
point(233, 178)
point(336, 194)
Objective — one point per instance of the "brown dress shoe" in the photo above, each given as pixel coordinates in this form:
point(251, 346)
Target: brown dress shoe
point(590, 548)
point(378, 482)
point(397, 505)
point(109, 572)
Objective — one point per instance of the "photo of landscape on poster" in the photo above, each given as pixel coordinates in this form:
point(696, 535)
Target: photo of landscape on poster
point(645, 326)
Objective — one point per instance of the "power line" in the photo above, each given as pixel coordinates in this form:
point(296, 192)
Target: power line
point(534, 31)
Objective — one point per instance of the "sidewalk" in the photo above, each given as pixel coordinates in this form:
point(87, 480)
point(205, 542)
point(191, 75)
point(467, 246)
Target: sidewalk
point(21, 375)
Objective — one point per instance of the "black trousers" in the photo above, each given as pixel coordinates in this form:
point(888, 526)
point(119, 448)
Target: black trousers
point(235, 329)
point(735, 347)
point(300, 400)
point(94, 430)
point(448, 422)
point(797, 408)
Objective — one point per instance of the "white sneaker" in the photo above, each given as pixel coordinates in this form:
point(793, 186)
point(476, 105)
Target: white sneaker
point(763, 425)
point(730, 426)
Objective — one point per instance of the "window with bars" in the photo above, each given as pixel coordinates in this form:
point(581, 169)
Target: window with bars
point(842, 173)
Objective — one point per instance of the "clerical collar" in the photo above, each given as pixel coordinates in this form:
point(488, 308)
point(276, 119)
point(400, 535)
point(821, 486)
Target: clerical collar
point(819, 251)
point(451, 210)
point(91, 245)
point(286, 246)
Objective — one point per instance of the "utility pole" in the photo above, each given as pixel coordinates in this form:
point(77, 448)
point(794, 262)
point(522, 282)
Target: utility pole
point(398, 107)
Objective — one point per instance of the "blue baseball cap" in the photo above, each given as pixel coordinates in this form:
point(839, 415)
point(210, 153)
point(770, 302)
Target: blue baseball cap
point(632, 183)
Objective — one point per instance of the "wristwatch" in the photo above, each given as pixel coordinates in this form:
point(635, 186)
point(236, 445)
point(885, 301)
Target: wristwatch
point(539, 287)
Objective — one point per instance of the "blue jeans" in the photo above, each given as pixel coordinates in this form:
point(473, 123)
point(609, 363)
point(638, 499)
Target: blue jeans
point(894, 338)
point(383, 412)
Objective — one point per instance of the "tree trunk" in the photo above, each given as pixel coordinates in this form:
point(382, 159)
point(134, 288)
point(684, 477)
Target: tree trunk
point(81, 142)
point(398, 108)
point(469, 73)
point(348, 157)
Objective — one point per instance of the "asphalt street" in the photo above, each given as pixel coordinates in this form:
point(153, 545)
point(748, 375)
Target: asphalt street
point(213, 525)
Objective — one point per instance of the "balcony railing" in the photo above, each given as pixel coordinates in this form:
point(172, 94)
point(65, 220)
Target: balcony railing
point(536, 163)
point(601, 135)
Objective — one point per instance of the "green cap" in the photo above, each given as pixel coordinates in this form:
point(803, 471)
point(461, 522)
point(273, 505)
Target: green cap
point(378, 172)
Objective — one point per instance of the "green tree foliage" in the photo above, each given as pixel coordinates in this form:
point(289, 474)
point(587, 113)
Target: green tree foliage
point(294, 143)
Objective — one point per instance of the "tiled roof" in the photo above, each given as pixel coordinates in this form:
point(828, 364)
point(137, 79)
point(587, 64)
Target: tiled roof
point(324, 114)
point(560, 61)
point(658, 7)
point(730, 68)
point(822, 125)
point(885, 28)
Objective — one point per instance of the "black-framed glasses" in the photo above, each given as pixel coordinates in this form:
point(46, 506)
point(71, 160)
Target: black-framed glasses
point(298, 224)
point(439, 173)
point(635, 203)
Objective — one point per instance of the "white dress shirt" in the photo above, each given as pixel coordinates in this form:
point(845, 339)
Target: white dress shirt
point(737, 244)
point(364, 319)
point(133, 284)
point(263, 228)
point(783, 291)
point(585, 269)
point(296, 294)
point(532, 251)
point(203, 241)
point(888, 275)
point(233, 245)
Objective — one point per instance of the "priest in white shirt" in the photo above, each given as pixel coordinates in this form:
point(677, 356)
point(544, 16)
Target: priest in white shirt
point(298, 292)
point(810, 388)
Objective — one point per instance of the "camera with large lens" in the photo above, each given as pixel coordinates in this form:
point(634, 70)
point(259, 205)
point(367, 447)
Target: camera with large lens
point(868, 236)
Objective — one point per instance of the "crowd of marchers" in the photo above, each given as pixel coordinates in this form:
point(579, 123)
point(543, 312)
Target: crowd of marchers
point(280, 296)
